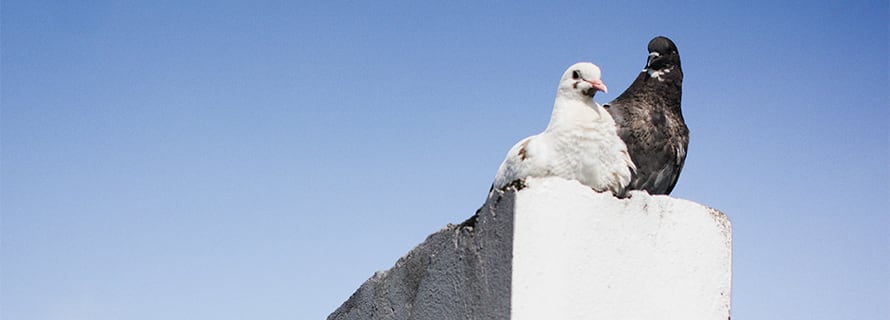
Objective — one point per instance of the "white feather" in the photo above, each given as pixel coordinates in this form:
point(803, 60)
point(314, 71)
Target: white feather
point(580, 143)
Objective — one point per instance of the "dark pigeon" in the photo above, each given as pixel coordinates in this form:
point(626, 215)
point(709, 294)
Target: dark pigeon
point(650, 122)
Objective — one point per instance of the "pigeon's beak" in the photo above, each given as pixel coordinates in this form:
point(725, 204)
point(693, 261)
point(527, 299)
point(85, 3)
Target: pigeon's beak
point(599, 85)
point(652, 57)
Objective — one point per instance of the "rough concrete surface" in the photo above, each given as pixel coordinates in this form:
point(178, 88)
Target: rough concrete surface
point(461, 272)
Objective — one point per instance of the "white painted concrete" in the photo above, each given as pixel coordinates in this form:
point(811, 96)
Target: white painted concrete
point(578, 254)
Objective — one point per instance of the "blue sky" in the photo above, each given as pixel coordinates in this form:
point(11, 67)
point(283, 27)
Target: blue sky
point(232, 160)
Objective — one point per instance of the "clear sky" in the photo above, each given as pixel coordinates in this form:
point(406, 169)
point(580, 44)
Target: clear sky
point(262, 159)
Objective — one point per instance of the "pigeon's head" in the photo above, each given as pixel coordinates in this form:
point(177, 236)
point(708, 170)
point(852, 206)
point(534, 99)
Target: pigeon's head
point(583, 79)
point(662, 55)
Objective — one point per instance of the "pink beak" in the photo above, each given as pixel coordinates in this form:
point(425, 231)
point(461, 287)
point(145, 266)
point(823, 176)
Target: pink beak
point(599, 85)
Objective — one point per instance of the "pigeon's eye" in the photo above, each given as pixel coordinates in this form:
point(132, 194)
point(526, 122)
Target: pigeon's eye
point(576, 74)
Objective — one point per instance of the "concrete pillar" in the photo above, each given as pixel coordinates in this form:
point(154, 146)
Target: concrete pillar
point(558, 250)
point(578, 254)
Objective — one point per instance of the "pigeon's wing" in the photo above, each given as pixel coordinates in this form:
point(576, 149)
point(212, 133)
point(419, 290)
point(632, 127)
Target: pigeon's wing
point(515, 164)
point(658, 167)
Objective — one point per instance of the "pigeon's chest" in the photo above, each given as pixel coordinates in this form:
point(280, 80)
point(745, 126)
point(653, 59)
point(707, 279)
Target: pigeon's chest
point(577, 151)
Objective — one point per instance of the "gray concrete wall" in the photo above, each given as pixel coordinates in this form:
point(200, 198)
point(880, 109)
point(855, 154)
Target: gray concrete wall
point(460, 272)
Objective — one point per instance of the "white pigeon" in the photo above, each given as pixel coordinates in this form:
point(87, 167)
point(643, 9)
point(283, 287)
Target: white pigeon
point(580, 143)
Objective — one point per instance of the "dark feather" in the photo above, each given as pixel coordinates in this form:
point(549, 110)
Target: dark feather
point(650, 121)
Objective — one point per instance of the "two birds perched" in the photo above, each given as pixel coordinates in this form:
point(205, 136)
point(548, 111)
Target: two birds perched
point(636, 142)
